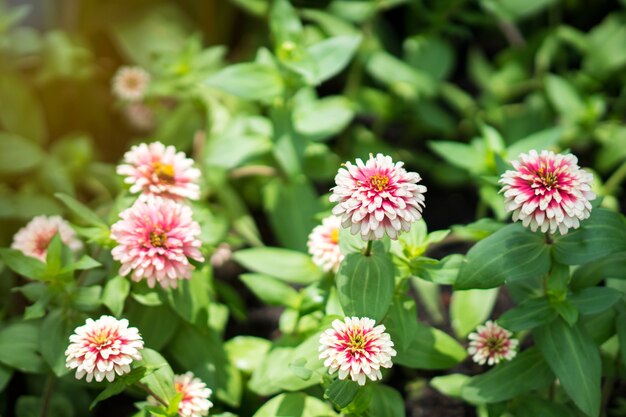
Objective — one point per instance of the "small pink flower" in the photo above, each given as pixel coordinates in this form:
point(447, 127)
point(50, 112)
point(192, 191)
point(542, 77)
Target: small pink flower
point(324, 244)
point(34, 238)
point(491, 343)
point(158, 169)
point(195, 401)
point(103, 348)
point(377, 197)
point(155, 237)
point(130, 83)
point(140, 116)
point(355, 347)
point(548, 191)
point(222, 254)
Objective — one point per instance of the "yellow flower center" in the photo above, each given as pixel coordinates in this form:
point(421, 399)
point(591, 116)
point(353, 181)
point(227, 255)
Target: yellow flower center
point(357, 343)
point(334, 236)
point(165, 172)
point(548, 179)
point(158, 240)
point(379, 181)
point(101, 338)
point(495, 344)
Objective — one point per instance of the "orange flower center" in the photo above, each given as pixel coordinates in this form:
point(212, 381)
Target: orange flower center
point(379, 181)
point(165, 172)
point(334, 236)
point(158, 240)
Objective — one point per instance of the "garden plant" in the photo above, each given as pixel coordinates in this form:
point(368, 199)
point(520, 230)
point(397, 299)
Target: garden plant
point(313, 208)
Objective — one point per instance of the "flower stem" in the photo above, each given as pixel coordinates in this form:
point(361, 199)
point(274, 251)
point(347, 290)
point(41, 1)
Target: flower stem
point(46, 395)
point(150, 392)
point(615, 179)
point(368, 248)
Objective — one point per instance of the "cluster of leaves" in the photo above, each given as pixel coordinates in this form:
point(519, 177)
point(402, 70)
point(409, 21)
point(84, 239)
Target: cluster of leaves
point(333, 82)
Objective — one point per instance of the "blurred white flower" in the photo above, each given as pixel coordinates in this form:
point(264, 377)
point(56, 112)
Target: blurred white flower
point(130, 83)
point(323, 244)
point(34, 238)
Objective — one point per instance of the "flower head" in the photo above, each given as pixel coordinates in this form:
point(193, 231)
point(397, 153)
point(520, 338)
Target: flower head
point(158, 169)
point(195, 401)
point(34, 238)
point(548, 191)
point(377, 196)
point(491, 343)
point(139, 116)
point(103, 348)
point(356, 348)
point(155, 237)
point(324, 244)
point(222, 254)
point(130, 83)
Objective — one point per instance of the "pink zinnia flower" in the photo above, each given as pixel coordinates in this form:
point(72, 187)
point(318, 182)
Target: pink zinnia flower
point(222, 254)
point(377, 197)
point(491, 343)
point(155, 237)
point(158, 169)
point(130, 83)
point(356, 348)
point(195, 402)
point(103, 348)
point(324, 244)
point(34, 238)
point(548, 191)
point(140, 116)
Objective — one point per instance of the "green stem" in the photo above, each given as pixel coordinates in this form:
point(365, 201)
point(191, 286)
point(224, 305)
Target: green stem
point(615, 179)
point(150, 392)
point(368, 248)
point(46, 395)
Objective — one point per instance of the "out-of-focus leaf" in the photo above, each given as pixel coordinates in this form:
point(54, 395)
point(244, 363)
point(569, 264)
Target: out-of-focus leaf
point(82, 211)
point(30, 406)
point(591, 273)
point(529, 314)
point(18, 155)
point(545, 139)
point(450, 385)
point(191, 299)
point(295, 405)
point(115, 292)
point(341, 392)
point(470, 308)
point(430, 54)
point(402, 78)
point(53, 340)
point(385, 401)
point(161, 381)
point(594, 300)
point(19, 347)
point(247, 353)
point(21, 264)
point(5, 376)
point(431, 348)
point(605, 53)
point(142, 317)
point(332, 55)
point(323, 118)
point(251, 81)
point(564, 98)
point(21, 114)
point(271, 290)
point(285, 264)
point(462, 155)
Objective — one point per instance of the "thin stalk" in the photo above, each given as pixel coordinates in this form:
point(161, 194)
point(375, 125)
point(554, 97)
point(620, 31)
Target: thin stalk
point(368, 248)
point(150, 392)
point(615, 179)
point(46, 395)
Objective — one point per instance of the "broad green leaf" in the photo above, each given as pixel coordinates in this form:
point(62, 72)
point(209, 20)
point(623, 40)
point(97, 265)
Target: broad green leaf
point(247, 352)
point(142, 317)
point(161, 381)
point(114, 295)
point(323, 118)
point(526, 372)
point(190, 300)
point(510, 254)
point(30, 406)
point(591, 273)
point(365, 284)
point(620, 324)
point(5, 376)
point(295, 405)
point(470, 308)
point(21, 264)
point(401, 322)
point(22, 115)
point(564, 98)
point(431, 348)
point(271, 290)
point(81, 211)
point(602, 234)
point(332, 55)
point(54, 336)
point(430, 54)
point(385, 401)
point(405, 80)
point(341, 392)
point(545, 139)
point(575, 360)
point(459, 154)
point(288, 146)
point(285, 264)
point(331, 24)
point(528, 315)
point(19, 347)
point(605, 53)
point(249, 81)
point(284, 23)
point(594, 300)
point(450, 385)
point(18, 155)
point(533, 406)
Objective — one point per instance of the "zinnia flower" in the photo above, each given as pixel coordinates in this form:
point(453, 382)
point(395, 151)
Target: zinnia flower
point(324, 244)
point(548, 191)
point(155, 237)
point(356, 348)
point(130, 83)
point(491, 343)
point(222, 254)
point(377, 197)
point(140, 116)
point(195, 401)
point(158, 169)
point(103, 348)
point(34, 238)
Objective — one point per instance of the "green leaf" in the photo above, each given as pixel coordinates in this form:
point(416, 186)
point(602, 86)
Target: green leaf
point(602, 234)
point(321, 119)
point(271, 290)
point(385, 401)
point(365, 284)
point(462, 155)
point(21, 264)
point(115, 292)
point(528, 315)
point(564, 98)
point(470, 308)
point(82, 211)
point(142, 317)
point(450, 385)
point(575, 360)
point(332, 55)
point(544, 139)
point(341, 392)
point(19, 347)
point(431, 348)
point(620, 324)
point(87, 298)
point(5, 376)
point(250, 81)
point(247, 352)
point(31, 406)
point(566, 310)
point(18, 155)
point(591, 273)
point(526, 372)
point(401, 77)
point(528, 406)
point(22, 115)
point(401, 322)
point(161, 381)
point(511, 253)
point(285, 264)
point(114, 388)
point(54, 336)
point(295, 405)
point(594, 300)
point(284, 23)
